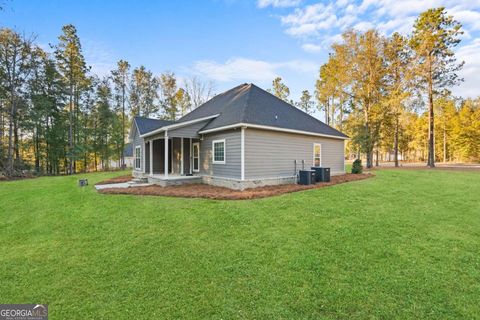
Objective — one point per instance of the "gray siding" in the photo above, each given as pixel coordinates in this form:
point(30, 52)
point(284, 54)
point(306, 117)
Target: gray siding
point(272, 153)
point(231, 168)
point(189, 131)
point(137, 141)
point(160, 135)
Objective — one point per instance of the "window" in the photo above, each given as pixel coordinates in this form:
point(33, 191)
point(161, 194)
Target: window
point(317, 155)
point(196, 157)
point(138, 157)
point(218, 149)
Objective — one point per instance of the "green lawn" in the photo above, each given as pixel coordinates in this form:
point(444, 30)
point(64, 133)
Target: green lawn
point(405, 244)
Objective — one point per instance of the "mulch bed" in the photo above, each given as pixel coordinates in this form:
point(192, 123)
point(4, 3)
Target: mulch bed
point(220, 193)
point(14, 178)
point(120, 179)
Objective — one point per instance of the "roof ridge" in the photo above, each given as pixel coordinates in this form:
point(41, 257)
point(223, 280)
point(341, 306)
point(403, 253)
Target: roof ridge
point(145, 118)
point(209, 101)
point(247, 100)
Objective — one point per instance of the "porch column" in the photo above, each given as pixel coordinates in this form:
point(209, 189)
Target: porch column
point(151, 157)
point(143, 156)
point(181, 157)
point(166, 155)
point(190, 160)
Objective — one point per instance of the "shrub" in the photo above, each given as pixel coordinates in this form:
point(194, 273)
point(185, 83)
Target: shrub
point(357, 166)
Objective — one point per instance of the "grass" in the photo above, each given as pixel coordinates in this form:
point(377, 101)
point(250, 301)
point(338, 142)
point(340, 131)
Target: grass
point(404, 244)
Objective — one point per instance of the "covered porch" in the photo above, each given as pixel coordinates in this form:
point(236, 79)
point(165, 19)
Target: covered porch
point(172, 160)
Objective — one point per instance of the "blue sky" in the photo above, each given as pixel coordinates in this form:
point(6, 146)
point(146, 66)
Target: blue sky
point(232, 41)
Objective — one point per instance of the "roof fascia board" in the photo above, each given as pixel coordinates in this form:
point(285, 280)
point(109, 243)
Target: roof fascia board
point(177, 125)
point(134, 122)
point(257, 126)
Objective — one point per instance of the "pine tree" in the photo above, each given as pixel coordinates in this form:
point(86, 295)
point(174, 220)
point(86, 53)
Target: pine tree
point(15, 55)
point(435, 34)
point(305, 103)
point(120, 78)
point(168, 89)
point(143, 93)
point(398, 60)
point(279, 89)
point(72, 67)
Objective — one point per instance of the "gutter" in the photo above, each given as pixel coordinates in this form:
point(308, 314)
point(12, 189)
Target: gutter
point(271, 128)
point(176, 125)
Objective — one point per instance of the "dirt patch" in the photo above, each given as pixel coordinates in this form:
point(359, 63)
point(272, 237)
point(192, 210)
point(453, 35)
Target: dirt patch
point(220, 193)
point(120, 179)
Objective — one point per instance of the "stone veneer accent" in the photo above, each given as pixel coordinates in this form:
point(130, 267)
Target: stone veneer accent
point(246, 184)
point(176, 182)
point(224, 182)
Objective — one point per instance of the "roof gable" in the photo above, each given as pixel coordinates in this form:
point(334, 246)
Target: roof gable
point(223, 104)
point(244, 104)
point(250, 104)
point(145, 125)
point(128, 151)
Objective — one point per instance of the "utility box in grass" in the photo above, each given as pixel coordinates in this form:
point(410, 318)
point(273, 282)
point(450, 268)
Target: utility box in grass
point(83, 182)
point(322, 174)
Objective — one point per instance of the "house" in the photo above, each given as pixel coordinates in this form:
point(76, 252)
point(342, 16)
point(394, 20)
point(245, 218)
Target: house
point(128, 155)
point(242, 138)
point(113, 164)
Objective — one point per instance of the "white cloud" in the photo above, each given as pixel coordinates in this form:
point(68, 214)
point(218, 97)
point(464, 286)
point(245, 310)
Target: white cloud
point(235, 69)
point(312, 48)
point(342, 3)
point(363, 26)
point(323, 20)
point(297, 65)
point(365, 5)
point(320, 23)
point(402, 25)
point(278, 3)
point(310, 20)
point(99, 57)
point(470, 19)
point(346, 21)
point(243, 69)
point(471, 70)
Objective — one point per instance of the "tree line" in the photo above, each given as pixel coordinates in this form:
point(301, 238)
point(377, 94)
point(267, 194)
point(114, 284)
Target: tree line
point(57, 117)
point(392, 95)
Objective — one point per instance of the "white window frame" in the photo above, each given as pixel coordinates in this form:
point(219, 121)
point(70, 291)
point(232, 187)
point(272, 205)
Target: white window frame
point(320, 158)
point(224, 151)
point(193, 157)
point(140, 158)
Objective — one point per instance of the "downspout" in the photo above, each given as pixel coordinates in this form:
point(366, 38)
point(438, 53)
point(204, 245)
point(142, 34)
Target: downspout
point(242, 153)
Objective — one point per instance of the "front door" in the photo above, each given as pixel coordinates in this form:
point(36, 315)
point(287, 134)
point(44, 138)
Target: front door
point(196, 157)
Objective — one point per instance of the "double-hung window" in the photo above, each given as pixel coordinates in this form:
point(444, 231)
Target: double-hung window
point(317, 155)
point(138, 157)
point(218, 150)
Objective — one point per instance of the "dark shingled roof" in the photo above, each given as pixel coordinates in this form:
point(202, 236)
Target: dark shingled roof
point(128, 151)
point(249, 104)
point(145, 125)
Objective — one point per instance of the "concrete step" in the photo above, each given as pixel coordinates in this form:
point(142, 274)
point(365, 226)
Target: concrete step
point(138, 180)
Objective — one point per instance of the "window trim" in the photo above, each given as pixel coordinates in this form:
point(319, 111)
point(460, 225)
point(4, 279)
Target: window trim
point(193, 157)
point(139, 158)
point(224, 151)
point(320, 158)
